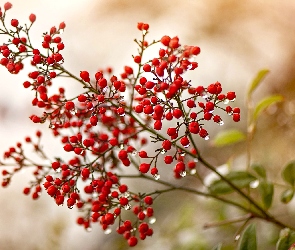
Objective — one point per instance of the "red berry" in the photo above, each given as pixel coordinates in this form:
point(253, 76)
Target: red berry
point(166, 145)
point(132, 241)
point(144, 167)
point(14, 22)
point(32, 18)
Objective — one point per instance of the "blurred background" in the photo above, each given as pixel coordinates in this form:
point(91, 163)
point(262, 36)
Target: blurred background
point(237, 39)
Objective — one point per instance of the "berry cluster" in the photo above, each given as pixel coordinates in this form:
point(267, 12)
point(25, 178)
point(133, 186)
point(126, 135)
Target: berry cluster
point(104, 129)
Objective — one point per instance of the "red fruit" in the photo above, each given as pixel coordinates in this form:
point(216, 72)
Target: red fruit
point(32, 18)
point(137, 59)
point(171, 131)
point(147, 68)
point(166, 145)
point(194, 127)
point(236, 117)
point(142, 154)
point(85, 172)
point(144, 167)
point(132, 241)
point(231, 96)
point(168, 159)
point(148, 200)
point(184, 141)
point(14, 22)
point(7, 6)
point(165, 40)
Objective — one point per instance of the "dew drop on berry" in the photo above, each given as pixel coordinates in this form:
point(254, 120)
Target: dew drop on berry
point(156, 176)
point(183, 153)
point(182, 174)
point(121, 146)
point(207, 138)
point(221, 123)
point(127, 207)
point(226, 101)
point(107, 231)
point(88, 229)
point(163, 151)
point(196, 160)
point(189, 67)
point(51, 125)
point(152, 220)
point(237, 237)
point(73, 111)
point(186, 146)
point(134, 152)
point(204, 95)
point(193, 171)
point(233, 100)
point(126, 194)
point(254, 184)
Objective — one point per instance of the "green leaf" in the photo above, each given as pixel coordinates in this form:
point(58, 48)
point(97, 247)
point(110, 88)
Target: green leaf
point(218, 247)
point(266, 191)
point(238, 178)
point(228, 137)
point(248, 239)
point(288, 173)
point(257, 80)
point(265, 103)
point(260, 170)
point(287, 195)
point(287, 238)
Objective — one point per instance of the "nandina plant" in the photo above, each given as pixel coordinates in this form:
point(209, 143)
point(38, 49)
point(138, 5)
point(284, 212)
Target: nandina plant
point(112, 125)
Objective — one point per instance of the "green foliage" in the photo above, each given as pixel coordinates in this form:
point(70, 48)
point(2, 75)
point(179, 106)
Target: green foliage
point(264, 104)
point(241, 179)
point(257, 80)
point(248, 239)
point(259, 170)
point(266, 190)
point(287, 195)
point(228, 137)
point(287, 238)
point(288, 173)
point(218, 247)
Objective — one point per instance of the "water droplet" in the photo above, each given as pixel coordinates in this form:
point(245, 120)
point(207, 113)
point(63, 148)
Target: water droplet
point(182, 174)
point(233, 100)
point(122, 114)
point(89, 229)
point(127, 207)
point(186, 146)
point(156, 177)
point(221, 123)
point(134, 152)
point(126, 194)
point(230, 113)
point(207, 138)
point(73, 112)
point(193, 171)
point(144, 32)
point(189, 67)
point(107, 231)
point(51, 125)
point(204, 95)
point(226, 101)
point(163, 151)
point(133, 229)
point(182, 153)
point(121, 146)
point(237, 237)
point(196, 160)
point(94, 195)
point(152, 220)
point(71, 207)
point(254, 184)
point(61, 31)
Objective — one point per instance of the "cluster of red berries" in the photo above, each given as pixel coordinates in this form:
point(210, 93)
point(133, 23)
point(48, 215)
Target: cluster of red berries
point(102, 129)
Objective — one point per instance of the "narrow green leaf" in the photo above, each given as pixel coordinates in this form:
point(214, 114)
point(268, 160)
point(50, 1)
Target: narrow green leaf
point(228, 137)
point(257, 80)
point(238, 178)
point(287, 195)
point(265, 103)
point(260, 170)
point(266, 191)
point(218, 247)
point(248, 239)
point(288, 173)
point(287, 238)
